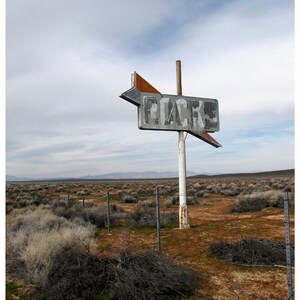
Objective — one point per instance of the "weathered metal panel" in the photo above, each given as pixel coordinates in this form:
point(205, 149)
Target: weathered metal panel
point(177, 113)
point(132, 96)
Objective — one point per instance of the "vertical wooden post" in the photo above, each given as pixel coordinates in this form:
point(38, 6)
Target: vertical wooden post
point(183, 209)
point(178, 78)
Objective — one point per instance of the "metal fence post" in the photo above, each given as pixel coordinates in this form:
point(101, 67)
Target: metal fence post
point(158, 219)
point(288, 245)
point(108, 211)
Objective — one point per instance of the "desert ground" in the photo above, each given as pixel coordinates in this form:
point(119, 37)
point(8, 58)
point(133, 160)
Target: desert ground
point(215, 216)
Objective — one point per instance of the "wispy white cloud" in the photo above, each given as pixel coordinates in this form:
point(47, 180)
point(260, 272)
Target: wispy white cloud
point(68, 61)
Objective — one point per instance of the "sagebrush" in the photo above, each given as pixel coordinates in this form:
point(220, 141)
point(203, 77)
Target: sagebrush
point(251, 252)
point(259, 200)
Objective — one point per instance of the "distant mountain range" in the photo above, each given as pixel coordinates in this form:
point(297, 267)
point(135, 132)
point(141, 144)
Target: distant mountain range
point(136, 175)
point(152, 175)
point(127, 175)
point(16, 178)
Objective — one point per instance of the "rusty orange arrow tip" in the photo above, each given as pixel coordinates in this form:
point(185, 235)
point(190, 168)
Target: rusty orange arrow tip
point(142, 85)
point(206, 137)
point(210, 138)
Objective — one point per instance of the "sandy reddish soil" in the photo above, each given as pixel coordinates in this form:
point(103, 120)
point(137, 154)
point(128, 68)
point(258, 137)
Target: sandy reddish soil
point(209, 223)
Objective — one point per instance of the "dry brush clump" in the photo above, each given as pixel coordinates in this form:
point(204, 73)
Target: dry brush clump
point(148, 275)
point(251, 252)
point(77, 275)
point(259, 200)
point(201, 194)
point(129, 198)
point(147, 203)
point(174, 200)
point(34, 239)
point(151, 276)
point(146, 217)
point(56, 256)
point(21, 196)
point(95, 214)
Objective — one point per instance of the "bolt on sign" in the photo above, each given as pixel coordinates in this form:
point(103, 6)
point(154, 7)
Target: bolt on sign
point(157, 111)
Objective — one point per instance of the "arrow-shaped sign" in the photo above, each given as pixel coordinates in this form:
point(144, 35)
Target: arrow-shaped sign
point(157, 111)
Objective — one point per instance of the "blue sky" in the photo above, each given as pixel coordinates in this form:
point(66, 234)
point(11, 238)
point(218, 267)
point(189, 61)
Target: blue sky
point(68, 61)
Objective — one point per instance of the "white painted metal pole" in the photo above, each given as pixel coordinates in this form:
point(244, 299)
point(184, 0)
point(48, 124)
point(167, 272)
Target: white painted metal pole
point(183, 209)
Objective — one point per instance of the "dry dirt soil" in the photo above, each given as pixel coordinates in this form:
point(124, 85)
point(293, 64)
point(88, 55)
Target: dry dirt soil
point(211, 223)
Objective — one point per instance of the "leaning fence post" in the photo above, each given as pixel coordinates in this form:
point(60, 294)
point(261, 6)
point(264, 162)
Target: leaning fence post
point(158, 219)
point(288, 245)
point(108, 211)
